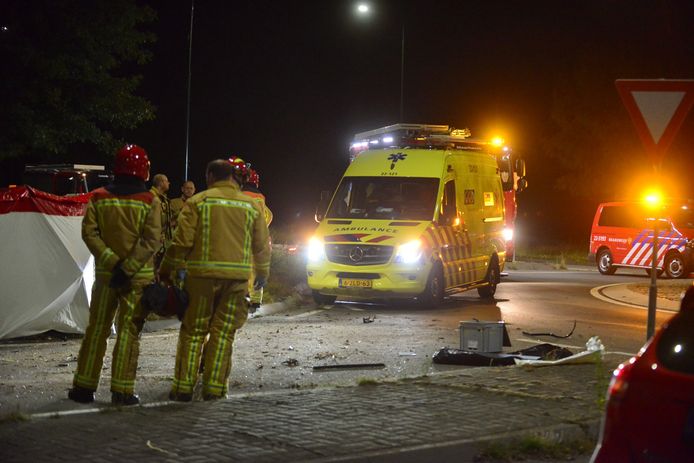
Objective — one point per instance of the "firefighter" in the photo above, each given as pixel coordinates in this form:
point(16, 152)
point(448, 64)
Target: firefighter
point(121, 228)
point(160, 186)
point(187, 190)
point(221, 237)
point(251, 187)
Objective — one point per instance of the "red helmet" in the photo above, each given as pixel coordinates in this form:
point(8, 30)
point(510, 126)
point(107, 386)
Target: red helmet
point(240, 168)
point(253, 178)
point(132, 160)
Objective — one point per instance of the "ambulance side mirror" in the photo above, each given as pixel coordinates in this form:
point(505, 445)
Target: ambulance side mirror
point(519, 168)
point(322, 206)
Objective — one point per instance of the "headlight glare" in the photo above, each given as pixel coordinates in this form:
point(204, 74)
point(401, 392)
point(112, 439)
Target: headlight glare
point(316, 250)
point(409, 252)
point(508, 234)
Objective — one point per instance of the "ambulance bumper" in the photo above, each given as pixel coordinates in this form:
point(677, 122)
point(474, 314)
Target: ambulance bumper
point(393, 280)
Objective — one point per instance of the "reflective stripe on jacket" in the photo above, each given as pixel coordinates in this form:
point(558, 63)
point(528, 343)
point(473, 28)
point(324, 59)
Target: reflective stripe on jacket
point(123, 227)
point(221, 234)
point(260, 198)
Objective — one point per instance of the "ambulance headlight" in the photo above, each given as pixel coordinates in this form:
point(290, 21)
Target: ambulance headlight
point(316, 250)
point(508, 234)
point(409, 253)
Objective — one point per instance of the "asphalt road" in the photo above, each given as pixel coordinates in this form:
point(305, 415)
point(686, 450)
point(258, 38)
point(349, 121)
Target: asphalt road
point(282, 350)
point(539, 302)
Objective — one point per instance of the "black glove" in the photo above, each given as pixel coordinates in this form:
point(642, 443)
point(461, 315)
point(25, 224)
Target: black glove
point(259, 283)
point(119, 279)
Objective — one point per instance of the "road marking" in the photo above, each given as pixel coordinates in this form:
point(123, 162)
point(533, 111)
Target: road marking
point(597, 293)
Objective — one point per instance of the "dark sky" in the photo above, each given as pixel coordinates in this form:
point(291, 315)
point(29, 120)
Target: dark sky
point(285, 84)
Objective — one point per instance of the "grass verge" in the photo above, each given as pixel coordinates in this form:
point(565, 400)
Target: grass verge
point(535, 447)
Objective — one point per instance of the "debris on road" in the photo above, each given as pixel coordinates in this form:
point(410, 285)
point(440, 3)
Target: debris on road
point(407, 354)
point(552, 334)
point(593, 353)
point(291, 362)
point(369, 319)
point(349, 366)
point(542, 352)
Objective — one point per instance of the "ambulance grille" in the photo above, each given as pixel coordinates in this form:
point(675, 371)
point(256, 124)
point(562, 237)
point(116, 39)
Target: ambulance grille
point(358, 254)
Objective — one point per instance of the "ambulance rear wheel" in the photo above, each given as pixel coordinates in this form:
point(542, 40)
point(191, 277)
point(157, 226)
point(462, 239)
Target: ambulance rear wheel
point(322, 299)
point(432, 295)
point(492, 280)
point(605, 262)
point(675, 266)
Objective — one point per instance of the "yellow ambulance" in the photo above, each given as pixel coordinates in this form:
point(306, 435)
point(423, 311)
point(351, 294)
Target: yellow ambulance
point(418, 214)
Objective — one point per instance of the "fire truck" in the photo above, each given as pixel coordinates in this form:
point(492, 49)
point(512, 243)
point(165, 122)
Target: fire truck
point(419, 213)
point(66, 179)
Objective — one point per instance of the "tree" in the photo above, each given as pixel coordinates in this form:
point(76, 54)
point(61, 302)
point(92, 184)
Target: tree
point(68, 74)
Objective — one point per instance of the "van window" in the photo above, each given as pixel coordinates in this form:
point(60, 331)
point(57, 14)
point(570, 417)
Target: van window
point(403, 198)
point(449, 210)
point(627, 216)
point(683, 217)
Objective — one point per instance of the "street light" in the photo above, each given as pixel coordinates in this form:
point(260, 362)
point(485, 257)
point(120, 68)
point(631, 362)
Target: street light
point(364, 9)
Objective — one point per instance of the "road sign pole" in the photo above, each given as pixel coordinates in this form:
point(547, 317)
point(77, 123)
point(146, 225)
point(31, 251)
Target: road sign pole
point(653, 290)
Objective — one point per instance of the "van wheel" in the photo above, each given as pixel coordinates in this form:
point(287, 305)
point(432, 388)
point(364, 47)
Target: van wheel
point(675, 266)
point(487, 291)
point(322, 299)
point(605, 263)
point(432, 295)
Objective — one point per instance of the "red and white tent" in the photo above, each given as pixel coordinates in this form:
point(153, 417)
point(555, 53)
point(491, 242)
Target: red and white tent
point(47, 271)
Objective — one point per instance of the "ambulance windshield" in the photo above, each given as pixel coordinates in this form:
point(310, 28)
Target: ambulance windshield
point(390, 198)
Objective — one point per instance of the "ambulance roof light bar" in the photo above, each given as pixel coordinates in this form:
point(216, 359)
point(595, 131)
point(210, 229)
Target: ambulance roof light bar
point(403, 135)
point(422, 128)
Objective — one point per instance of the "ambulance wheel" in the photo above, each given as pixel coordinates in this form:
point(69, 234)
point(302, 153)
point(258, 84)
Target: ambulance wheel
point(322, 299)
point(605, 262)
point(493, 276)
point(675, 266)
point(432, 295)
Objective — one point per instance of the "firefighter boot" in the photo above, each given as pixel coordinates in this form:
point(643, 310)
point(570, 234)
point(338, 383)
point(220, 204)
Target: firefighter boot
point(121, 398)
point(81, 395)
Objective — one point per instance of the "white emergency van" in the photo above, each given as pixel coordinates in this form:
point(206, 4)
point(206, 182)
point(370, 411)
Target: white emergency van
point(418, 214)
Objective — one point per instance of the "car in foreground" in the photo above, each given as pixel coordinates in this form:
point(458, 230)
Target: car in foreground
point(650, 404)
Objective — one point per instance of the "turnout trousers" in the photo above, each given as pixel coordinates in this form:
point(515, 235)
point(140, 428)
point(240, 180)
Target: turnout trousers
point(105, 304)
point(217, 307)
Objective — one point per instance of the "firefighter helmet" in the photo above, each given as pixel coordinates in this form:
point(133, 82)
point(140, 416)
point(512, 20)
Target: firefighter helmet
point(240, 169)
point(132, 160)
point(253, 178)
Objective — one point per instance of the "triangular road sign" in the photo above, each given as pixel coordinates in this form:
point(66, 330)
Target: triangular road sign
point(658, 109)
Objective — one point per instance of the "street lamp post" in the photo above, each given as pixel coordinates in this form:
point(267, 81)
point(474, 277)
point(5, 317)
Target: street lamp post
point(190, 60)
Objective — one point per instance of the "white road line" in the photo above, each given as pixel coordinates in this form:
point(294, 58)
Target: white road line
point(597, 293)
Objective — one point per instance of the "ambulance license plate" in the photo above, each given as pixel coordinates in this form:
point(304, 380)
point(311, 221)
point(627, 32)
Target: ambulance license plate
point(354, 283)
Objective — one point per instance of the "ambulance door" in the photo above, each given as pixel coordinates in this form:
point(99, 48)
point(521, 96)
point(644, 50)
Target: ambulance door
point(451, 229)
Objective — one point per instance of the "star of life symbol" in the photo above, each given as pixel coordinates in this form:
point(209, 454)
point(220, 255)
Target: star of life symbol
point(395, 157)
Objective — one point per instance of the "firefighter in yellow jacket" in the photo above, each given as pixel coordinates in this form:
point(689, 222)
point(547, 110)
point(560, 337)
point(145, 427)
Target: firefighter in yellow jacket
point(251, 188)
point(122, 229)
point(221, 236)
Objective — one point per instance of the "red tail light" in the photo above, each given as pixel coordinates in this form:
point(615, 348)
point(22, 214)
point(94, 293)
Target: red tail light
point(620, 382)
